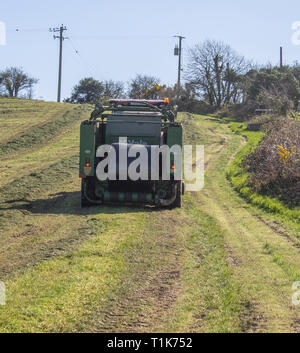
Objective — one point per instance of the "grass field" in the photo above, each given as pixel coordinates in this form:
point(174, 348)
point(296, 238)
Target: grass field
point(218, 264)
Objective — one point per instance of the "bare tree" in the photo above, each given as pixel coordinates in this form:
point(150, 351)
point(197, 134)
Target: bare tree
point(113, 89)
point(142, 86)
point(216, 70)
point(14, 80)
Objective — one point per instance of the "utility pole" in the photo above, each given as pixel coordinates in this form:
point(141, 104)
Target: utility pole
point(61, 30)
point(281, 59)
point(178, 52)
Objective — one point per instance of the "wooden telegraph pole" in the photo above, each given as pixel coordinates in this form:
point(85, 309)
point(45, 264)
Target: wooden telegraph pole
point(178, 52)
point(61, 30)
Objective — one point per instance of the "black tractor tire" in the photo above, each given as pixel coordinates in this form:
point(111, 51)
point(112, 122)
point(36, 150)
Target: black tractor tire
point(84, 202)
point(178, 201)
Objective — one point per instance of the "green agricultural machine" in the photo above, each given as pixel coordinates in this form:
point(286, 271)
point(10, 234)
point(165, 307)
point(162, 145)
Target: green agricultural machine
point(119, 136)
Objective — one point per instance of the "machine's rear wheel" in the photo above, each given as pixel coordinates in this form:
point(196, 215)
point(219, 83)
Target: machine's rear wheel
point(84, 202)
point(178, 202)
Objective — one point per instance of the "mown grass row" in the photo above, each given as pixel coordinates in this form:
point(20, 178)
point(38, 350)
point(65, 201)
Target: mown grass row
point(240, 180)
point(40, 216)
point(8, 106)
point(40, 181)
point(39, 134)
point(17, 116)
point(60, 295)
point(20, 192)
point(212, 301)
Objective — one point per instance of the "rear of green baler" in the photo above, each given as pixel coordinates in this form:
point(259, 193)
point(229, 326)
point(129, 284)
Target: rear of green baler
point(147, 123)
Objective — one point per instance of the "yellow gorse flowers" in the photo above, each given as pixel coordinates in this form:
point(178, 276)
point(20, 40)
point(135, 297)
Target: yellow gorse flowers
point(285, 153)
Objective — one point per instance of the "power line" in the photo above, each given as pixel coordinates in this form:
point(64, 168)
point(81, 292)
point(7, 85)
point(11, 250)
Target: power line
point(92, 70)
point(81, 58)
point(93, 36)
point(118, 36)
point(20, 30)
point(73, 46)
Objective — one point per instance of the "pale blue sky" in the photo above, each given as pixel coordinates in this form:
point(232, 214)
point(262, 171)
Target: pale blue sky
point(118, 39)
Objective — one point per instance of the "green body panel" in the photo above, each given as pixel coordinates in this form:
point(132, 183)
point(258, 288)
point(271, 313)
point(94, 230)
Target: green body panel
point(174, 135)
point(138, 129)
point(87, 147)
